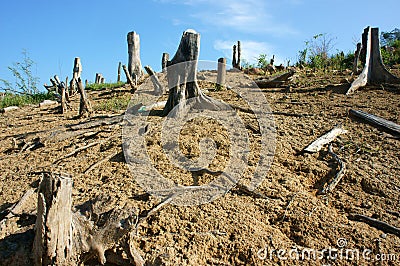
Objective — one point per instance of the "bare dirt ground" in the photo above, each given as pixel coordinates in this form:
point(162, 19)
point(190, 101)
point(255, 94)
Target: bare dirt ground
point(238, 228)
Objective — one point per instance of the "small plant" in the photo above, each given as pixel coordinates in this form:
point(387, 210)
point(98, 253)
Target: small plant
point(25, 82)
point(262, 61)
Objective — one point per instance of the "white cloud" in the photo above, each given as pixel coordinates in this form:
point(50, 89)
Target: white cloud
point(249, 16)
point(250, 49)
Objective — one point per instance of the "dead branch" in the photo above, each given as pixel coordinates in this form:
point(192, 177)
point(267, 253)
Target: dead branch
point(158, 88)
point(385, 227)
point(129, 78)
point(76, 151)
point(96, 164)
point(328, 137)
point(331, 185)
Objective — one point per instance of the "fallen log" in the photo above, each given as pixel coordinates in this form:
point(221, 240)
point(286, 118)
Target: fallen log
point(8, 109)
point(275, 81)
point(385, 227)
point(328, 137)
point(376, 121)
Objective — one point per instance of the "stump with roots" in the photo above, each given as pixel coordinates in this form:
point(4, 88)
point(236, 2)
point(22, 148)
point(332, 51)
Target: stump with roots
point(71, 236)
point(182, 78)
point(374, 71)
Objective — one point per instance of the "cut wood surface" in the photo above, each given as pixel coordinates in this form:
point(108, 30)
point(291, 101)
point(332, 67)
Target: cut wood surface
point(377, 121)
point(328, 137)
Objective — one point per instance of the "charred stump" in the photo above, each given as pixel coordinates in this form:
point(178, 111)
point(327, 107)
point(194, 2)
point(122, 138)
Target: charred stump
point(374, 71)
point(182, 76)
point(236, 56)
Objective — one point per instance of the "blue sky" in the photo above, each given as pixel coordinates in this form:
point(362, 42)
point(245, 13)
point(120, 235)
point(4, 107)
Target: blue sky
point(54, 32)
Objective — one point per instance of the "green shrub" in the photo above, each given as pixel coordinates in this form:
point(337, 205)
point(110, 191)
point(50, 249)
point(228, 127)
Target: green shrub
point(9, 99)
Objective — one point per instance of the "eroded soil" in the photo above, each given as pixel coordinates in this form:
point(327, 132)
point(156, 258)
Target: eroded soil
point(237, 228)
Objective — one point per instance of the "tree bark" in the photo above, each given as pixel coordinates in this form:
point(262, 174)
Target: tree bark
point(374, 72)
point(221, 76)
point(134, 64)
point(53, 236)
point(158, 88)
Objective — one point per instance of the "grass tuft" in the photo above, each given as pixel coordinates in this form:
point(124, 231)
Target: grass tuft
point(9, 99)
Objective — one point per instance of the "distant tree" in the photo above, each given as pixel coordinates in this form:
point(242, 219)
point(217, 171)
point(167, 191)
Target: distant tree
point(25, 81)
point(319, 48)
point(388, 38)
point(390, 47)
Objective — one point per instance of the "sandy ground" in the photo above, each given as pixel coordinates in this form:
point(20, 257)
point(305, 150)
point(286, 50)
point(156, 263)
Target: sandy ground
point(237, 228)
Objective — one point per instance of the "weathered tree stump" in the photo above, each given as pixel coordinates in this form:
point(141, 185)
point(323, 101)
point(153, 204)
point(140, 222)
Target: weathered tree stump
point(182, 76)
point(76, 73)
point(119, 72)
point(221, 76)
point(374, 72)
point(53, 236)
point(134, 64)
point(85, 107)
point(73, 236)
point(236, 56)
point(164, 61)
point(356, 58)
point(158, 88)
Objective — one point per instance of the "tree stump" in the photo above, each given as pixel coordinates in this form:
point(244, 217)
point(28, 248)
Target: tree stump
point(164, 61)
point(236, 56)
point(119, 72)
point(76, 72)
point(374, 72)
point(221, 76)
point(134, 64)
point(85, 107)
point(182, 77)
point(53, 236)
point(356, 58)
